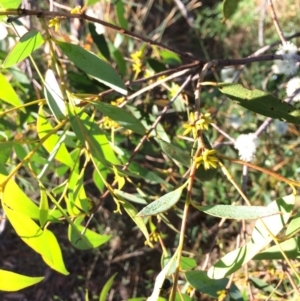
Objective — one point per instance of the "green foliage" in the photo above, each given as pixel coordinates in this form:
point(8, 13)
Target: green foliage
point(89, 130)
point(13, 282)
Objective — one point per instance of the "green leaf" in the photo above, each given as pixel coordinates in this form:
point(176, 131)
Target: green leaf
point(17, 200)
point(12, 282)
point(229, 8)
point(120, 11)
point(54, 96)
point(28, 43)
point(120, 61)
point(41, 241)
point(53, 142)
point(262, 285)
point(175, 152)
point(130, 197)
point(163, 203)
point(132, 212)
point(146, 174)
point(170, 57)
point(124, 118)
point(7, 93)
point(91, 239)
point(290, 247)
point(87, 131)
point(261, 102)
point(93, 66)
point(107, 286)
point(261, 237)
point(187, 263)
point(53, 257)
point(202, 283)
point(238, 212)
point(6, 149)
point(293, 226)
point(99, 40)
point(44, 207)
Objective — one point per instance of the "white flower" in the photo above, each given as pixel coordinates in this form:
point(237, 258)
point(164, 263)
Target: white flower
point(288, 50)
point(288, 65)
point(293, 88)
point(246, 144)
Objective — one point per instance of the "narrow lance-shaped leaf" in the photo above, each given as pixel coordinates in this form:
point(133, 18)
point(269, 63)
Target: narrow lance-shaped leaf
point(265, 228)
point(28, 43)
point(12, 282)
point(131, 211)
point(54, 96)
point(290, 247)
point(42, 241)
point(122, 117)
point(238, 212)
point(93, 66)
point(44, 207)
point(261, 102)
point(107, 286)
point(163, 203)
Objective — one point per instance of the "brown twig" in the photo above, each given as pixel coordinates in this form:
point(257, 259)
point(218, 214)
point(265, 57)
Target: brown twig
point(276, 23)
point(50, 14)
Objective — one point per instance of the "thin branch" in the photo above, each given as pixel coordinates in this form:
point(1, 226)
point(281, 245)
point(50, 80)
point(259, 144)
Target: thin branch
point(42, 14)
point(276, 23)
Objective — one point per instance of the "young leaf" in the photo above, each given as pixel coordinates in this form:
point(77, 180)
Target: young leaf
point(43, 128)
point(7, 93)
point(54, 97)
point(12, 282)
point(122, 117)
point(238, 212)
point(163, 203)
point(28, 43)
point(93, 66)
point(44, 207)
point(261, 102)
point(107, 286)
